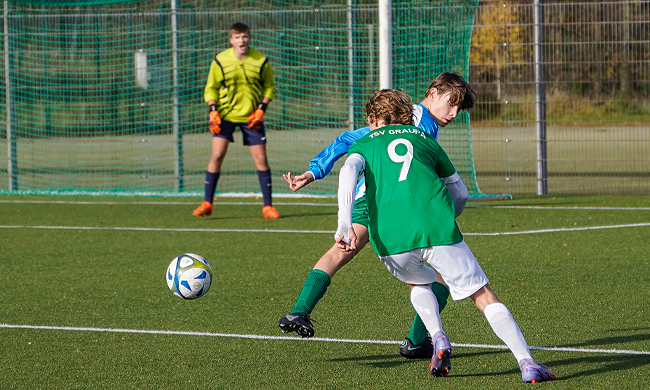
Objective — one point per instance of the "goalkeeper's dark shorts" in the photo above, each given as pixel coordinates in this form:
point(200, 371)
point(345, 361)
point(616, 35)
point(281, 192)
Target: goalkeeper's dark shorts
point(360, 212)
point(250, 137)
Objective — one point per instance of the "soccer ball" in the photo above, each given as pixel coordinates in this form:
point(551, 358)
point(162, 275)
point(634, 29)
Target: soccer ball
point(189, 276)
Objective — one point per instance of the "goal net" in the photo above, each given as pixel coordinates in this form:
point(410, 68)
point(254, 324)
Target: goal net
point(106, 97)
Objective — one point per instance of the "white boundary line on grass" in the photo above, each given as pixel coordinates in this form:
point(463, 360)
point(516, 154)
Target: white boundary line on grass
point(263, 337)
point(166, 229)
point(557, 207)
point(560, 230)
point(310, 204)
point(305, 231)
point(84, 202)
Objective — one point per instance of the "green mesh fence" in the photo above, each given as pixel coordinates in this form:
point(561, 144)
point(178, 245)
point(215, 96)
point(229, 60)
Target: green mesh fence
point(99, 100)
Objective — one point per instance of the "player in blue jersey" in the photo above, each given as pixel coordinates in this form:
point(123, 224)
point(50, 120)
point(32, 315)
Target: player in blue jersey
point(447, 95)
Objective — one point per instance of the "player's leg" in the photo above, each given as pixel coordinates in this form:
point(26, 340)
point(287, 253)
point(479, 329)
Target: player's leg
point(426, 305)
point(410, 268)
point(506, 328)
point(418, 344)
point(212, 173)
point(320, 277)
point(465, 278)
point(316, 285)
point(335, 258)
point(256, 140)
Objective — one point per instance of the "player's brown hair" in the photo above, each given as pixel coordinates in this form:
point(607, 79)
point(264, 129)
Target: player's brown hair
point(460, 93)
point(239, 28)
point(390, 106)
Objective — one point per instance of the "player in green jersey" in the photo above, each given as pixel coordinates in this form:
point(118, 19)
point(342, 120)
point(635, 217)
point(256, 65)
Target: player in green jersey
point(406, 173)
point(239, 88)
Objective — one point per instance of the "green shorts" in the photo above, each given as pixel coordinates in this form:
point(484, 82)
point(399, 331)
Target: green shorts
point(360, 212)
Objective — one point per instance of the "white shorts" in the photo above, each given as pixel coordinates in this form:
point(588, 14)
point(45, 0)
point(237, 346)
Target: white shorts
point(455, 263)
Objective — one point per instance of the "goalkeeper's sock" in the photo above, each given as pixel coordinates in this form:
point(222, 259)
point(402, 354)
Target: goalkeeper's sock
point(211, 179)
point(312, 291)
point(418, 333)
point(265, 185)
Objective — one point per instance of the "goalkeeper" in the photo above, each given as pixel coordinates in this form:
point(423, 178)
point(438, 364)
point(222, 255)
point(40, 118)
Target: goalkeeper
point(448, 94)
point(239, 89)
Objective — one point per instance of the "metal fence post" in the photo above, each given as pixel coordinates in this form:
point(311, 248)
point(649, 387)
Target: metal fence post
point(12, 154)
point(385, 44)
point(540, 99)
point(177, 134)
point(351, 25)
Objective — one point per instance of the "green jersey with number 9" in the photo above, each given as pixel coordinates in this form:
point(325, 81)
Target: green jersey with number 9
point(408, 205)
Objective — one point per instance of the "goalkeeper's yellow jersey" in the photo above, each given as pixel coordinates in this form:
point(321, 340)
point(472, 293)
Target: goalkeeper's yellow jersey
point(238, 86)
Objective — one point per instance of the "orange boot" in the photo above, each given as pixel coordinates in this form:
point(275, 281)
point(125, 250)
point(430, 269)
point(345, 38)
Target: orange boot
point(270, 212)
point(204, 209)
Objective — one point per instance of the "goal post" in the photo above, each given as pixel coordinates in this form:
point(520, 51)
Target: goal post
point(105, 97)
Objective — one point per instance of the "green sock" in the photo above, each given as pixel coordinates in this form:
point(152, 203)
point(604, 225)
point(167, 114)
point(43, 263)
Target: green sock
point(418, 332)
point(312, 291)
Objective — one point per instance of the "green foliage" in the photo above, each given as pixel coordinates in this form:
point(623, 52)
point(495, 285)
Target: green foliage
point(618, 109)
point(582, 289)
point(563, 109)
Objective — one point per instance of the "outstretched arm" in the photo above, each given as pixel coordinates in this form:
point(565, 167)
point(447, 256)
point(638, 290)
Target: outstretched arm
point(322, 164)
point(299, 181)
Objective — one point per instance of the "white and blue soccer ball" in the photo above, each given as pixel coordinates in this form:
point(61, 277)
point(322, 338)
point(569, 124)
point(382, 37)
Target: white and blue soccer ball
point(189, 276)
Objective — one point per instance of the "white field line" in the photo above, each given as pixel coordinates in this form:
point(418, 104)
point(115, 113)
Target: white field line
point(286, 338)
point(560, 230)
point(304, 231)
point(309, 204)
point(559, 207)
point(167, 229)
point(84, 202)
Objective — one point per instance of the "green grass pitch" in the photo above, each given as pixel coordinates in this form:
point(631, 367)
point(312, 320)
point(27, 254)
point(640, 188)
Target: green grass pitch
point(84, 302)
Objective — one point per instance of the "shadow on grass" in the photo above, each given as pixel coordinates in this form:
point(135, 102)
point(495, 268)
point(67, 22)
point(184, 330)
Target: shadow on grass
point(603, 364)
point(611, 340)
point(600, 362)
point(379, 361)
point(628, 329)
point(394, 360)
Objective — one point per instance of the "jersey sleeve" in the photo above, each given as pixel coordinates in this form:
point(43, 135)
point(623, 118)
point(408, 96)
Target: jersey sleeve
point(215, 79)
point(444, 167)
point(322, 164)
point(347, 184)
point(268, 81)
point(458, 191)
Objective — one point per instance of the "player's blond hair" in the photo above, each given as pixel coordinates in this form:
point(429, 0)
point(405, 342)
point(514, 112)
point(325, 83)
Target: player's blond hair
point(460, 93)
point(390, 106)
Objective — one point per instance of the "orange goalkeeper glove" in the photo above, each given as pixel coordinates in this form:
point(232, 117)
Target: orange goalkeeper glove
point(215, 120)
point(256, 119)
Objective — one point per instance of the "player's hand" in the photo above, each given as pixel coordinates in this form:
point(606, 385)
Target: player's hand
point(255, 119)
point(346, 239)
point(299, 181)
point(215, 121)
